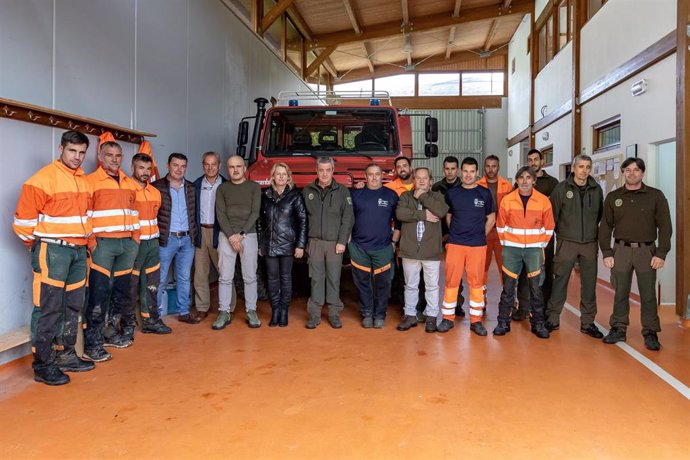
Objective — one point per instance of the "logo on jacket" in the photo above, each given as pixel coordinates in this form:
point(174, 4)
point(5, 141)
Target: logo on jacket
point(618, 203)
point(569, 194)
point(383, 203)
point(310, 196)
point(478, 203)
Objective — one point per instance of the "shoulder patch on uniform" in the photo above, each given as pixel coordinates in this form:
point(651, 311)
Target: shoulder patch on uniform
point(569, 194)
point(349, 200)
point(311, 196)
point(618, 203)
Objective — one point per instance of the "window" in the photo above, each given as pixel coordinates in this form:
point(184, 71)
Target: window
point(439, 84)
point(547, 154)
point(397, 85)
point(273, 36)
point(607, 135)
point(293, 51)
point(554, 30)
point(482, 84)
point(593, 6)
point(363, 86)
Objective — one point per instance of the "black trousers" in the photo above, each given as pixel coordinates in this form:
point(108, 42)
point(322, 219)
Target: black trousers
point(523, 290)
point(279, 279)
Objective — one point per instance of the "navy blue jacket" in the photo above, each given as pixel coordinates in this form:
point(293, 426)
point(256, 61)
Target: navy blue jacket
point(197, 215)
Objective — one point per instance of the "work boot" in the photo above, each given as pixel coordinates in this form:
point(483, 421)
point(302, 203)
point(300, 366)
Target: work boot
point(117, 341)
point(590, 330)
point(96, 354)
point(540, 330)
point(283, 319)
point(554, 327)
point(617, 334)
point(155, 327)
point(224, 319)
point(651, 341)
point(478, 328)
point(503, 327)
point(112, 327)
point(128, 332)
point(367, 322)
point(430, 324)
point(275, 317)
point(313, 322)
point(378, 323)
point(334, 320)
point(68, 361)
point(51, 375)
point(445, 325)
point(420, 316)
point(253, 319)
point(407, 322)
point(520, 314)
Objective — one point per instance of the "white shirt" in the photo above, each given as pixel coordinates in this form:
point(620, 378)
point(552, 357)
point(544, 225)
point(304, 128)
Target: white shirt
point(207, 205)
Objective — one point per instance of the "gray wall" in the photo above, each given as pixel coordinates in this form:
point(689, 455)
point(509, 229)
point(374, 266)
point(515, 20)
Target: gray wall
point(186, 70)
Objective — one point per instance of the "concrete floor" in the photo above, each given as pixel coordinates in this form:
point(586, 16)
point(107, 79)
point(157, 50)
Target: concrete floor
point(352, 393)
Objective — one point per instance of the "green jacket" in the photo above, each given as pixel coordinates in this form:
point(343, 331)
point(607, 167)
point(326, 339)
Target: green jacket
point(330, 212)
point(431, 247)
point(577, 216)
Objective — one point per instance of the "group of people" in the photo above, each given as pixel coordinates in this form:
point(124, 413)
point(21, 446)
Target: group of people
point(103, 242)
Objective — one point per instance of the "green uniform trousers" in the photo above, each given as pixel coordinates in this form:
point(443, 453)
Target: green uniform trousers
point(325, 267)
point(144, 284)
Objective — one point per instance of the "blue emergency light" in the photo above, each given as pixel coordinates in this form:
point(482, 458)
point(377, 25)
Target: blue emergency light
point(293, 102)
point(374, 101)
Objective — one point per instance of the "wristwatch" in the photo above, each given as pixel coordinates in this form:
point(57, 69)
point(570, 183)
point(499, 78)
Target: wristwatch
point(242, 233)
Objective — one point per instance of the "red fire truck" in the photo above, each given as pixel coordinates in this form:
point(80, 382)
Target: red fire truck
point(353, 128)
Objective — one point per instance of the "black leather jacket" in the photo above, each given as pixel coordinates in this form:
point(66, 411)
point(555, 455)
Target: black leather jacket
point(282, 223)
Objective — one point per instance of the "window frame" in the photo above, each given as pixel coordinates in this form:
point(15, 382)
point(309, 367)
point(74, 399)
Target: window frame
point(601, 127)
point(548, 30)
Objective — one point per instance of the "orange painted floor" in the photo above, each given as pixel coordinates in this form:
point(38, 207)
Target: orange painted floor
point(283, 393)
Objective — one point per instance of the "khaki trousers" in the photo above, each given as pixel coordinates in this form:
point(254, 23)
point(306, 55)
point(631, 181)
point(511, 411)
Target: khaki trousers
point(203, 258)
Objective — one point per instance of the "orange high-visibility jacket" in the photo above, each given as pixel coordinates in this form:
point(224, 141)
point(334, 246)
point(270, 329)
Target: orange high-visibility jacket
point(398, 187)
point(504, 187)
point(114, 213)
point(148, 203)
point(525, 228)
point(54, 203)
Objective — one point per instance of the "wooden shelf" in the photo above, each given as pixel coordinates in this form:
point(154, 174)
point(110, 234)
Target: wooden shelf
point(21, 111)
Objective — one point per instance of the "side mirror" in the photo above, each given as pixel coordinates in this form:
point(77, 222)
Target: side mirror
point(241, 150)
point(243, 134)
point(431, 150)
point(431, 129)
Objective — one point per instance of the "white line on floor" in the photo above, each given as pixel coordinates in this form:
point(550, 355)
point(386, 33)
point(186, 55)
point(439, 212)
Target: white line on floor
point(679, 386)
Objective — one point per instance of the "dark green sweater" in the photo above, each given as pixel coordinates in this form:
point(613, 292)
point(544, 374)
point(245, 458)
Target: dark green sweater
point(430, 248)
point(577, 215)
point(238, 207)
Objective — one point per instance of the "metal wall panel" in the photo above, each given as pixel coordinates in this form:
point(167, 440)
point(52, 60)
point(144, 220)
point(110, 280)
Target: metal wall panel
point(461, 134)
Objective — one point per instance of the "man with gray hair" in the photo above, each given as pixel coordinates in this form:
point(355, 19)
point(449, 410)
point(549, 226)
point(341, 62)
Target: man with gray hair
point(206, 242)
point(329, 207)
point(577, 204)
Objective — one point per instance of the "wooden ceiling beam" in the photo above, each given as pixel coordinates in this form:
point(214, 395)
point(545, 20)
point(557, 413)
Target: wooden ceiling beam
point(318, 61)
point(271, 17)
point(394, 68)
point(451, 42)
point(300, 22)
point(422, 23)
point(353, 19)
point(370, 62)
point(492, 33)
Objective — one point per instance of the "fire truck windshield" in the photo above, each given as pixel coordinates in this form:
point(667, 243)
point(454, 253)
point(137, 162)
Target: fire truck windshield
point(333, 131)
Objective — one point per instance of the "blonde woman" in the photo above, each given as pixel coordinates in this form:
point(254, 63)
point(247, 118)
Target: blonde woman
point(282, 229)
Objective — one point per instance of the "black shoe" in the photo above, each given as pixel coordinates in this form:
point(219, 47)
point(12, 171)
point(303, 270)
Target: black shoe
point(651, 341)
point(283, 319)
point(616, 334)
point(540, 330)
point(51, 375)
point(554, 327)
point(313, 322)
point(275, 317)
point(591, 331)
point(502, 328)
point(445, 325)
point(420, 316)
point(96, 354)
point(155, 327)
point(367, 322)
point(188, 318)
point(407, 323)
point(478, 328)
point(520, 315)
point(430, 324)
point(459, 311)
point(117, 341)
point(68, 361)
point(334, 320)
point(378, 323)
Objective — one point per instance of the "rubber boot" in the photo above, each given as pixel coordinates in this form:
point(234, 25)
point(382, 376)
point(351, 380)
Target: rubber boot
point(283, 317)
point(275, 317)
